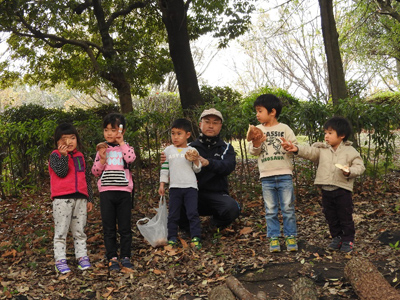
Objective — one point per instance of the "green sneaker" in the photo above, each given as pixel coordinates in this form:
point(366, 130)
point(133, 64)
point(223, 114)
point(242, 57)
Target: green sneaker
point(172, 243)
point(291, 244)
point(197, 243)
point(274, 245)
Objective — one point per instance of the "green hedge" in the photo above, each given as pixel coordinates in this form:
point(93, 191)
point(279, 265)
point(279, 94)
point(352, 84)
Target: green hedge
point(26, 132)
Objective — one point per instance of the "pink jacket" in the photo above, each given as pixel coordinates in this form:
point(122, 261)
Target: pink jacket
point(114, 174)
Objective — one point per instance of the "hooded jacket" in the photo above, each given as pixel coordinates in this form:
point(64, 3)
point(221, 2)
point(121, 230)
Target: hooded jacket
point(326, 158)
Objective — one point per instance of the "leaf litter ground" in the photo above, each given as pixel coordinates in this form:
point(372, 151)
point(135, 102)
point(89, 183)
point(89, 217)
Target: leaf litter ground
point(27, 266)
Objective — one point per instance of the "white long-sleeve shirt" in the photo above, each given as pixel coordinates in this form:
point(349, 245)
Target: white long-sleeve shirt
point(177, 170)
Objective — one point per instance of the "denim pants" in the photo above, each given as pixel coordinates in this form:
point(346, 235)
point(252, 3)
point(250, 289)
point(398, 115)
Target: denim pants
point(115, 207)
point(278, 193)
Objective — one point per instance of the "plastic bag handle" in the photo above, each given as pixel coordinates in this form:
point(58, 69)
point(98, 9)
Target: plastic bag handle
point(141, 220)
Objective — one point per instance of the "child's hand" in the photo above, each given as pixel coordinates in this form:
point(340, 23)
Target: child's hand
point(120, 138)
point(288, 146)
point(89, 206)
point(255, 135)
point(345, 169)
point(63, 149)
point(192, 155)
point(102, 153)
point(161, 189)
point(257, 142)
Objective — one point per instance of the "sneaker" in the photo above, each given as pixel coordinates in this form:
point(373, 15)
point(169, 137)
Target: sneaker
point(84, 263)
point(196, 242)
point(126, 262)
point(274, 245)
point(291, 244)
point(113, 264)
point(172, 243)
point(62, 267)
point(347, 247)
point(335, 243)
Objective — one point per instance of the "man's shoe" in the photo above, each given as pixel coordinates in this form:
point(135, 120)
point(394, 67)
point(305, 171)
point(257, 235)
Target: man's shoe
point(274, 245)
point(196, 241)
point(126, 262)
point(335, 243)
point(113, 264)
point(62, 267)
point(347, 247)
point(291, 244)
point(84, 263)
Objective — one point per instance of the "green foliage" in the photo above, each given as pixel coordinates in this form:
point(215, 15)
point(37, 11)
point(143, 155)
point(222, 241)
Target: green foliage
point(26, 134)
point(395, 246)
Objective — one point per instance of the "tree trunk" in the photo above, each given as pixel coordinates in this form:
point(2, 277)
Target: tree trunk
point(337, 81)
point(221, 292)
point(239, 290)
point(304, 289)
point(113, 72)
point(174, 16)
point(367, 282)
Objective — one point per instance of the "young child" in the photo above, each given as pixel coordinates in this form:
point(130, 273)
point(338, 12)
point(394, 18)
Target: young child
point(182, 162)
point(275, 169)
point(72, 196)
point(338, 165)
point(115, 185)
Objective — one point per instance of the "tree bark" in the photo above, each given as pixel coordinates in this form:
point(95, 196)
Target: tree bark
point(367, 282)
point(174, 16)
point(239, 290)
point(221, 292)
point(337, 81)
point(304, 289)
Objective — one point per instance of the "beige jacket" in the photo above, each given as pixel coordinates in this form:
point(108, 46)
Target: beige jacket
point(326, 158)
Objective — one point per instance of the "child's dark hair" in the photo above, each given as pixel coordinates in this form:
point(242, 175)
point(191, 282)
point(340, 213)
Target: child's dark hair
point(341, 125)
point(269, 102)
point(66, 128)
point(115, 119)
point(183, 124)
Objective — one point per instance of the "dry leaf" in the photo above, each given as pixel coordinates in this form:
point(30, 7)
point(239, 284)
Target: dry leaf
point(245, 230)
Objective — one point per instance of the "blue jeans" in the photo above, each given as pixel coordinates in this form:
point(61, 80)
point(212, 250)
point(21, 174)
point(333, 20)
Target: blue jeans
point(278, 193)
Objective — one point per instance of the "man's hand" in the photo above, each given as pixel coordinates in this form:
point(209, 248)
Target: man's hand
point(288, 146)
point(163, 157)
point(204, 162)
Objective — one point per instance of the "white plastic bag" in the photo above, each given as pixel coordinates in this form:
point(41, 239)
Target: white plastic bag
point(155, 230)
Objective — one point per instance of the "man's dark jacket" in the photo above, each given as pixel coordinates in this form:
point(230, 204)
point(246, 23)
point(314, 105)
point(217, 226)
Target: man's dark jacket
point(222, 158)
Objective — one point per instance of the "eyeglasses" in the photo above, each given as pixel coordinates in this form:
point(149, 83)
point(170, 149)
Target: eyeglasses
point(215, 123)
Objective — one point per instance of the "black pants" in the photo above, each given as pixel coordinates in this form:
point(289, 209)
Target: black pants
point(178, 198)
point(338, 209)
point(222, 207)
point(115, 209)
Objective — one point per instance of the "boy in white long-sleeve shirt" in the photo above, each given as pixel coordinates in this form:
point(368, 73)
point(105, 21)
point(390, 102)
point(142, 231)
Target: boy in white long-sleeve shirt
point(182, 162)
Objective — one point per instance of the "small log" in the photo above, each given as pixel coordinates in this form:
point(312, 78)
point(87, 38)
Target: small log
point(304, 289)
point(239, 290)
point(367, 282)
point(221, 292)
